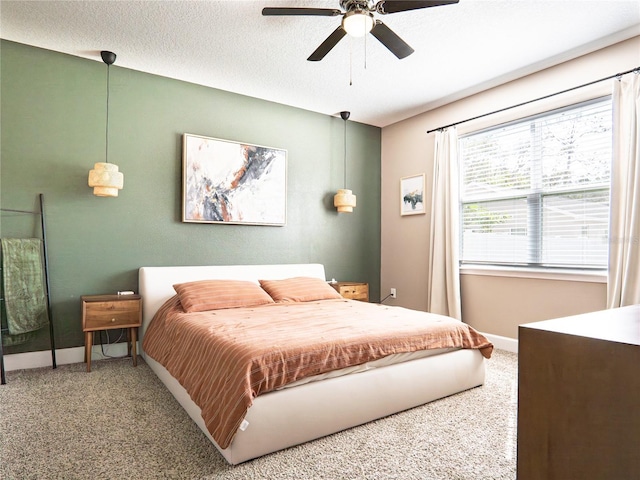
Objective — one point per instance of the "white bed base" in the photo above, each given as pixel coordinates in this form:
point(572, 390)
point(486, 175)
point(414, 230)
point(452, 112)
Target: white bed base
point(291, 416)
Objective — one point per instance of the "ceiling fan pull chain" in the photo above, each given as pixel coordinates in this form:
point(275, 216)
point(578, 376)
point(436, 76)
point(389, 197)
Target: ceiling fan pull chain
point(351, 62)
point(365, 51)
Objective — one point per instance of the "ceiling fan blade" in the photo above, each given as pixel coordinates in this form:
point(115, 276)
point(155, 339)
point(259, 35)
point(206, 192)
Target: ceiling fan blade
point(326, 46)
point(317, 12)
point(393, 42)
point(392, 6)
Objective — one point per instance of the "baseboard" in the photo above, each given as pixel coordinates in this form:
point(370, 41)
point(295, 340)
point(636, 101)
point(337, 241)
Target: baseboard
point(20, 361)
point(503, 343)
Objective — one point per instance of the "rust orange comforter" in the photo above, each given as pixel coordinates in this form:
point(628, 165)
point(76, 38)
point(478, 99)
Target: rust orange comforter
point(225, 358)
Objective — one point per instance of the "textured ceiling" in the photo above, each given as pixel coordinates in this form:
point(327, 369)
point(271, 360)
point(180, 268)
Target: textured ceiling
point(459, 49)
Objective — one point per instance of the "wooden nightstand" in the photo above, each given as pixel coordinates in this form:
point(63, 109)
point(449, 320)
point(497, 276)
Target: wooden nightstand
point(352, 290)
point(106, 312)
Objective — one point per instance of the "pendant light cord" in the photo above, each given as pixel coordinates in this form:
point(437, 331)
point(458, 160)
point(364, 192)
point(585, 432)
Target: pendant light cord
point(106, 141)
point(345, 154)
point(345, 116)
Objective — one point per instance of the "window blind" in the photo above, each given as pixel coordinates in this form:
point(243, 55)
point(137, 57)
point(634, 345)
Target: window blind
point(535, 192)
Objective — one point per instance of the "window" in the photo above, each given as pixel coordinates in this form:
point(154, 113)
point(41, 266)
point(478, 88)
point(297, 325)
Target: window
point(535, 192)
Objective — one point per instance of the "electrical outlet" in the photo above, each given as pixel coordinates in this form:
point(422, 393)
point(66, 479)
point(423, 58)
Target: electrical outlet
point(393, 293)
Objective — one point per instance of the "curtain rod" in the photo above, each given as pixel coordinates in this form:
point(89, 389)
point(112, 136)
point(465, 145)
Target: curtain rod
point(637, 69)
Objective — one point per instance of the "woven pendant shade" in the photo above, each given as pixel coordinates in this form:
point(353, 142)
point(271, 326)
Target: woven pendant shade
point(344, 201)
point(105, 179)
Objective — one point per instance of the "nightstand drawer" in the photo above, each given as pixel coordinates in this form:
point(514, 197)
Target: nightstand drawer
point(101, 315)
point(353, 290)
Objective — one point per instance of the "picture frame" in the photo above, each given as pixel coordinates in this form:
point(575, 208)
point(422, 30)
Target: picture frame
point(232, 182)
point(412, 195)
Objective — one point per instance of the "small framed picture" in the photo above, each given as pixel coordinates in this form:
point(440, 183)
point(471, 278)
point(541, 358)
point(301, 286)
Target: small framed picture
point(412, 195)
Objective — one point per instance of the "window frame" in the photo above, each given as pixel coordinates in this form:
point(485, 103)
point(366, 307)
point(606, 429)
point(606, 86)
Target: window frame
point(537, 268)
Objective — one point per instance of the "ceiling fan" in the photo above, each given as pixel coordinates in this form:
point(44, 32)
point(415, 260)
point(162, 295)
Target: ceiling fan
point(358, 20)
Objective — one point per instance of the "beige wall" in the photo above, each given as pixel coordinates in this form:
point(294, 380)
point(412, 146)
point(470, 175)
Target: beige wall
point(493, 304)
point(498, 305)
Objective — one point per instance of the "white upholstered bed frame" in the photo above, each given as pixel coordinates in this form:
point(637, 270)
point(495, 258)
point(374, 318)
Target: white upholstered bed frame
point(288, 417)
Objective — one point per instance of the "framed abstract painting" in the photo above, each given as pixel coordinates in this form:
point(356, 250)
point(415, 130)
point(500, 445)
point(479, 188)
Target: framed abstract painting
point(231, 182)
point(412, 195)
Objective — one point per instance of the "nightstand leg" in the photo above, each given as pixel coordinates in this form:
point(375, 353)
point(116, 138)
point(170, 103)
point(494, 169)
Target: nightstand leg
point(87, 349)
point(133, 346)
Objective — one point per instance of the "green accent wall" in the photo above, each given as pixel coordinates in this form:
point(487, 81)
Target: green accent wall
point(53, 111)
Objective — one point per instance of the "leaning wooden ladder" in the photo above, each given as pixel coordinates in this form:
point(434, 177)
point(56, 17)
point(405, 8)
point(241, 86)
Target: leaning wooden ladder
point(46, 286)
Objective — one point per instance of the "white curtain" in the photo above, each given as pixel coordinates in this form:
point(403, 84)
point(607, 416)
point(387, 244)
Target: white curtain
point(444, 270)
point(623, 286)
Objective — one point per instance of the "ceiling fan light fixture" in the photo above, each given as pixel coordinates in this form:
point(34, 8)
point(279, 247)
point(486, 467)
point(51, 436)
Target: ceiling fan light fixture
point(358, 23)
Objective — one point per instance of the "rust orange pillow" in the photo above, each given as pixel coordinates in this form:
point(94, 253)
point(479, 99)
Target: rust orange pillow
point(299, 289)
point(206, 295)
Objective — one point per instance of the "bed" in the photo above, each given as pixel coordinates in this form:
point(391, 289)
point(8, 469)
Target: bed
point(308, 410)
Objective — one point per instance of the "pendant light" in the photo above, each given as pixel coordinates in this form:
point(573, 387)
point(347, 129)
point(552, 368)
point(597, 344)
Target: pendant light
point(105, 179)
point(344, 200)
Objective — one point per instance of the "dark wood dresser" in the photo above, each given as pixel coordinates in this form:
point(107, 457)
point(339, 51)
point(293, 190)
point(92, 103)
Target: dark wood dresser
point(579, 397)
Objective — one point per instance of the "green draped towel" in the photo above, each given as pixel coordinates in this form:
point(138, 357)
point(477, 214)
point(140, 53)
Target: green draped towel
point(23, 285)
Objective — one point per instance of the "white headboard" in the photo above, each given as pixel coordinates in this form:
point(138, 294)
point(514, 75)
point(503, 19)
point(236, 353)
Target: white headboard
point(155, 284)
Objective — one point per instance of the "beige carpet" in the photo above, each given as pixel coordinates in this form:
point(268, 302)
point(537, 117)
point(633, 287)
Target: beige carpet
point(119, 422)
